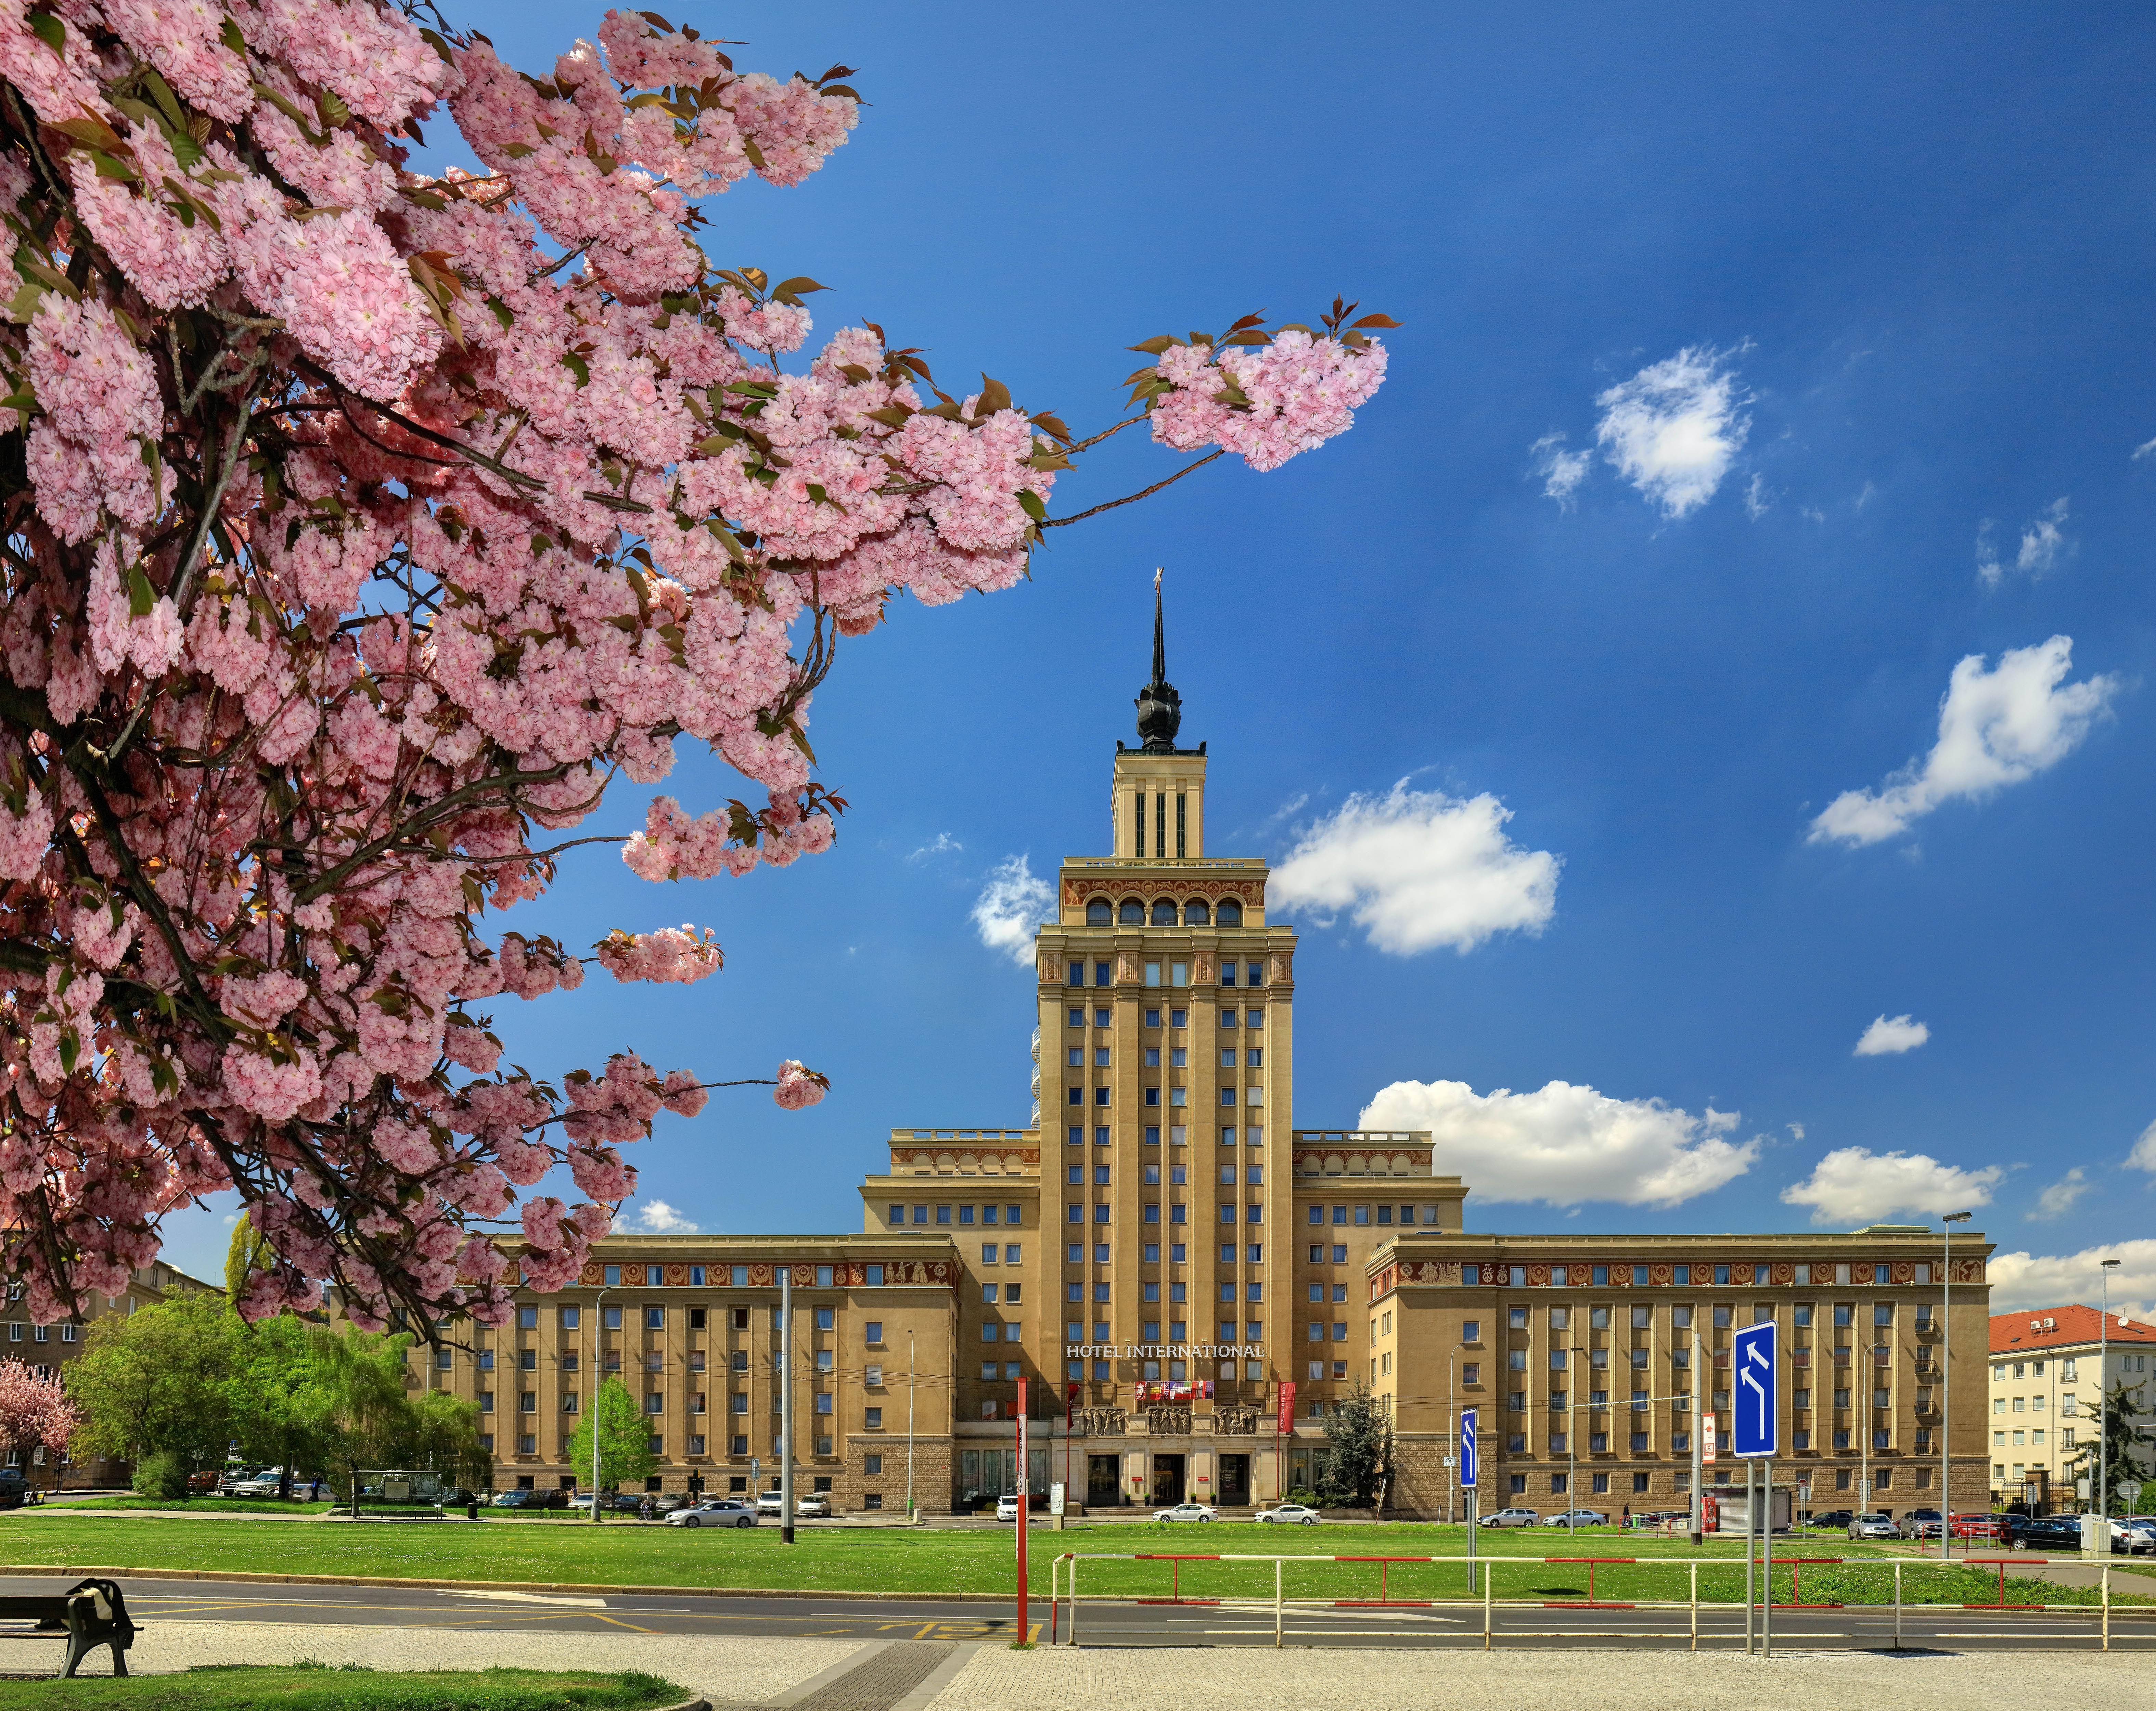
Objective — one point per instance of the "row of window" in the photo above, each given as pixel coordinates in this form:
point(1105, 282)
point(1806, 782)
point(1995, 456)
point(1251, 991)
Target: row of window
point(1722, 1313)
point(736, 1276)
point(43, 1334)
point(1253, 1371)
point(1177, 1174)
point(1690, 1275)
point(2067, 1367)
point(2067, 1439)
point(572, 1318)
point(1134, 912)
point(528, 1444)
point(894, 1215)
point(1178, 1056)
point(1383, 1216)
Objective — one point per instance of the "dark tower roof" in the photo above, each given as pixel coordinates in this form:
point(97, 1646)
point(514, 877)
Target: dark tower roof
point(1160, 708)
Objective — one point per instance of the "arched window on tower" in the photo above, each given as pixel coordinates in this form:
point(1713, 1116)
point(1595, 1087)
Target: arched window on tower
point(1133, 913)
point(1163, 912)
point(1100, 914)
point(1230, 912)
point(1195, 914)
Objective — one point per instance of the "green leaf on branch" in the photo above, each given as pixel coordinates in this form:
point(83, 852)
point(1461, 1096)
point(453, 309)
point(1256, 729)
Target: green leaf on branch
point(994, 396)
point(140, 596)
point(1030, 501)
point(1155, 345)
point(578, 367)
point(793, 290)
point(49, 30)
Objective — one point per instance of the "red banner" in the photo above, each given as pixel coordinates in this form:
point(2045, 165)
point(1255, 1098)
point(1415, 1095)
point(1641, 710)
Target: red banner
point(1284, 1424)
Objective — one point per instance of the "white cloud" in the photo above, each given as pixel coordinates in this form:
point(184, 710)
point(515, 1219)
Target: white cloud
point(2143, 1155)
point(1564, 1144)
point(943, 844)
point(1996, 728)
point(1418, 869)
point(2146, 449)
point(1758, 501)
point(1854, 1185)
point(2056, 1201)
point(1010, 905)
point(2022, 1281)
point(1795, 1128)
point(1889, 1036)
point(1561, 471)
point(1673, 429)
point(2044, 547)
point(657, 1218)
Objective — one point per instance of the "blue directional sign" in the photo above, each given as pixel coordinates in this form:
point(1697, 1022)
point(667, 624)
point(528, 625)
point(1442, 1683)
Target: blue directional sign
point(1752, 1424)
point(1467, 1458)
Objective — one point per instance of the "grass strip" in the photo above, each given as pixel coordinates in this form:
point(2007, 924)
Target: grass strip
point(931, 1561)
point(320, 1686)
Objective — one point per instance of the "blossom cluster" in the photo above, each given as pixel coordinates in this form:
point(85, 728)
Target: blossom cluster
point(374, 522)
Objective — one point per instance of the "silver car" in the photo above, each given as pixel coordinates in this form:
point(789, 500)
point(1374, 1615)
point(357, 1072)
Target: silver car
point(1872, 1527)
point(1509, 1517)
point(715, 1512)
point(1184, 1512)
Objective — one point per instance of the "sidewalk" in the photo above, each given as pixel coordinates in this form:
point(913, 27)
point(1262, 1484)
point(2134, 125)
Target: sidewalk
point(767, 1673)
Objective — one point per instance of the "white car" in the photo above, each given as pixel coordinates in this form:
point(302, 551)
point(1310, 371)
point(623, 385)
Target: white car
point(1007, 1508)
point(1872, 1526)
point(261, 1485)
point(1509, 1518)
point(1576, 1517)
point(770, 1503)
point(1290, 1514)
point(815, 1505)
point(1184, 1512)
point(715, 1512)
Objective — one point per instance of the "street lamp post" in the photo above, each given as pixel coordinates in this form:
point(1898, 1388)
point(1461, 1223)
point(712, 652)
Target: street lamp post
point(599, 1377)
point(1451, 1429)
point(2104, 1417)
point(1946, 1382)
point(909, 1425)
point(786, 1404)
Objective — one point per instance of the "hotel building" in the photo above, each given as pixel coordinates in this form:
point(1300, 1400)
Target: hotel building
point(1191, 1281)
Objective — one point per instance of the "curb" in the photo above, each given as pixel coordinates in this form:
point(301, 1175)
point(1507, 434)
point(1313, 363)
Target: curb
point(239, 1576)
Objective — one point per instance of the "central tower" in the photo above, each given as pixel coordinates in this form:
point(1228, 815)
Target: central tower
point(1167, 1045)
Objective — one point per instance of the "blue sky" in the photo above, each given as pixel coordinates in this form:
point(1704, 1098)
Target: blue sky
point(1847, 311)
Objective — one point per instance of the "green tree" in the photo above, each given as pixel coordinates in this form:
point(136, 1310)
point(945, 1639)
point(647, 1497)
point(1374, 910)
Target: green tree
point(2124, 1466)
point(625, 1439)
point(1358, 1462)
point(157, 1380)
point(249, 1250)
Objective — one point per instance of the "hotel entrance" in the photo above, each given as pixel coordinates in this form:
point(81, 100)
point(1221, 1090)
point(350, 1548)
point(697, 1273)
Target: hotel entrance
point(1166, 1480)
point(1104, 1482)
point(1234, 1481)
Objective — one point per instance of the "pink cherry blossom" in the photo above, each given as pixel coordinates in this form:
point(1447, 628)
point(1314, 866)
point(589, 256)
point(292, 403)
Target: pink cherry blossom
point(375, 523)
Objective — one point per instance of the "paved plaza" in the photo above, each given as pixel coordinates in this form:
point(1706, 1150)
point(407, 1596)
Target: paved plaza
point(782, 1674)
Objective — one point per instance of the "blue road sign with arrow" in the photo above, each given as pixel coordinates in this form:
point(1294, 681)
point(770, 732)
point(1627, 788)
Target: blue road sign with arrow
point(1752, 1425)
point(1467, 1448)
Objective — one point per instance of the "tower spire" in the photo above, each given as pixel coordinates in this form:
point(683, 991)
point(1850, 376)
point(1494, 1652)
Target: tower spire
point(1160, 708)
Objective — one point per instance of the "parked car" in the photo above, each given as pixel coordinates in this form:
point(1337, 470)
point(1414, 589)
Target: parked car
point(521, 1498)
point(1007, 1507)
point(715, 1512)
point(1184, 1512)
point(1920, 1524)
point(1873, 1526)
point(263, 1484)
point(1576, 1517)
point(770, 1503)
point(202, 1483)
point(1290, 1514)
point(1509, 1517)
point(814, 1504)
point(1832, 1519)
point(1975, 1526)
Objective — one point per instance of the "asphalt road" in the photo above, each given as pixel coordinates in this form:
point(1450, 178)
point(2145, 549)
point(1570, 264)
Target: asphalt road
point(1105, 1622)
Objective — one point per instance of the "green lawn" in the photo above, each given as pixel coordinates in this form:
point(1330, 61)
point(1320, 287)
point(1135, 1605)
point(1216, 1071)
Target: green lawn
point(931, 1560)
point(199, 1506)
point(318, 1687)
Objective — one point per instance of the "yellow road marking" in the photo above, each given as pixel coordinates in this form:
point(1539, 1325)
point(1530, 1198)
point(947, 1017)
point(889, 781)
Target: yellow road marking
point(618, 1623)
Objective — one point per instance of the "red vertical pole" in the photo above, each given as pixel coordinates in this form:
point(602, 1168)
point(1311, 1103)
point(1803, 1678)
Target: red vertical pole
point(1023, 1503)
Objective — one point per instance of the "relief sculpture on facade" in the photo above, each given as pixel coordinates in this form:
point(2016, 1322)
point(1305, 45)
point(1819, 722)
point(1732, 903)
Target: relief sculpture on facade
point(1100, 1422)
point(1166, 1421)
point(1235, 1422)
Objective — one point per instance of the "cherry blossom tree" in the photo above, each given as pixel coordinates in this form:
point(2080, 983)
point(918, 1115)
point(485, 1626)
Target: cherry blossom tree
point(34, 1412)
point(362, 525)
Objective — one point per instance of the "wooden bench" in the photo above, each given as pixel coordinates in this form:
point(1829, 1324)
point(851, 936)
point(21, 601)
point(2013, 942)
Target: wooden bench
point(88, 1615)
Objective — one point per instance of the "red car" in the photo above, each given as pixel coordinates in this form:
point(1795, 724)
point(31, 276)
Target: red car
point(1975, 1526)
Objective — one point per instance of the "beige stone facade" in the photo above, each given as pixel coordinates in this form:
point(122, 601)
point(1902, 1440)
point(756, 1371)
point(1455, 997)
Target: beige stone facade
point(1187, 1283)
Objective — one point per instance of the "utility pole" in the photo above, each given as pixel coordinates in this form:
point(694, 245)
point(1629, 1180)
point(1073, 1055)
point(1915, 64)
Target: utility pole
point(1945, 1381)
point(599, 1377)
point(1698, 1465)
point(786, 1404)
point(909, 1425)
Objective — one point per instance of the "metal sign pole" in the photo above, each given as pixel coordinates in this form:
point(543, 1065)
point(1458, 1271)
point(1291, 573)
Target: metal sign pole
point(1024, 1502)
point(1471, 1475)
point(1751, 1558)
point(1767, 1558)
